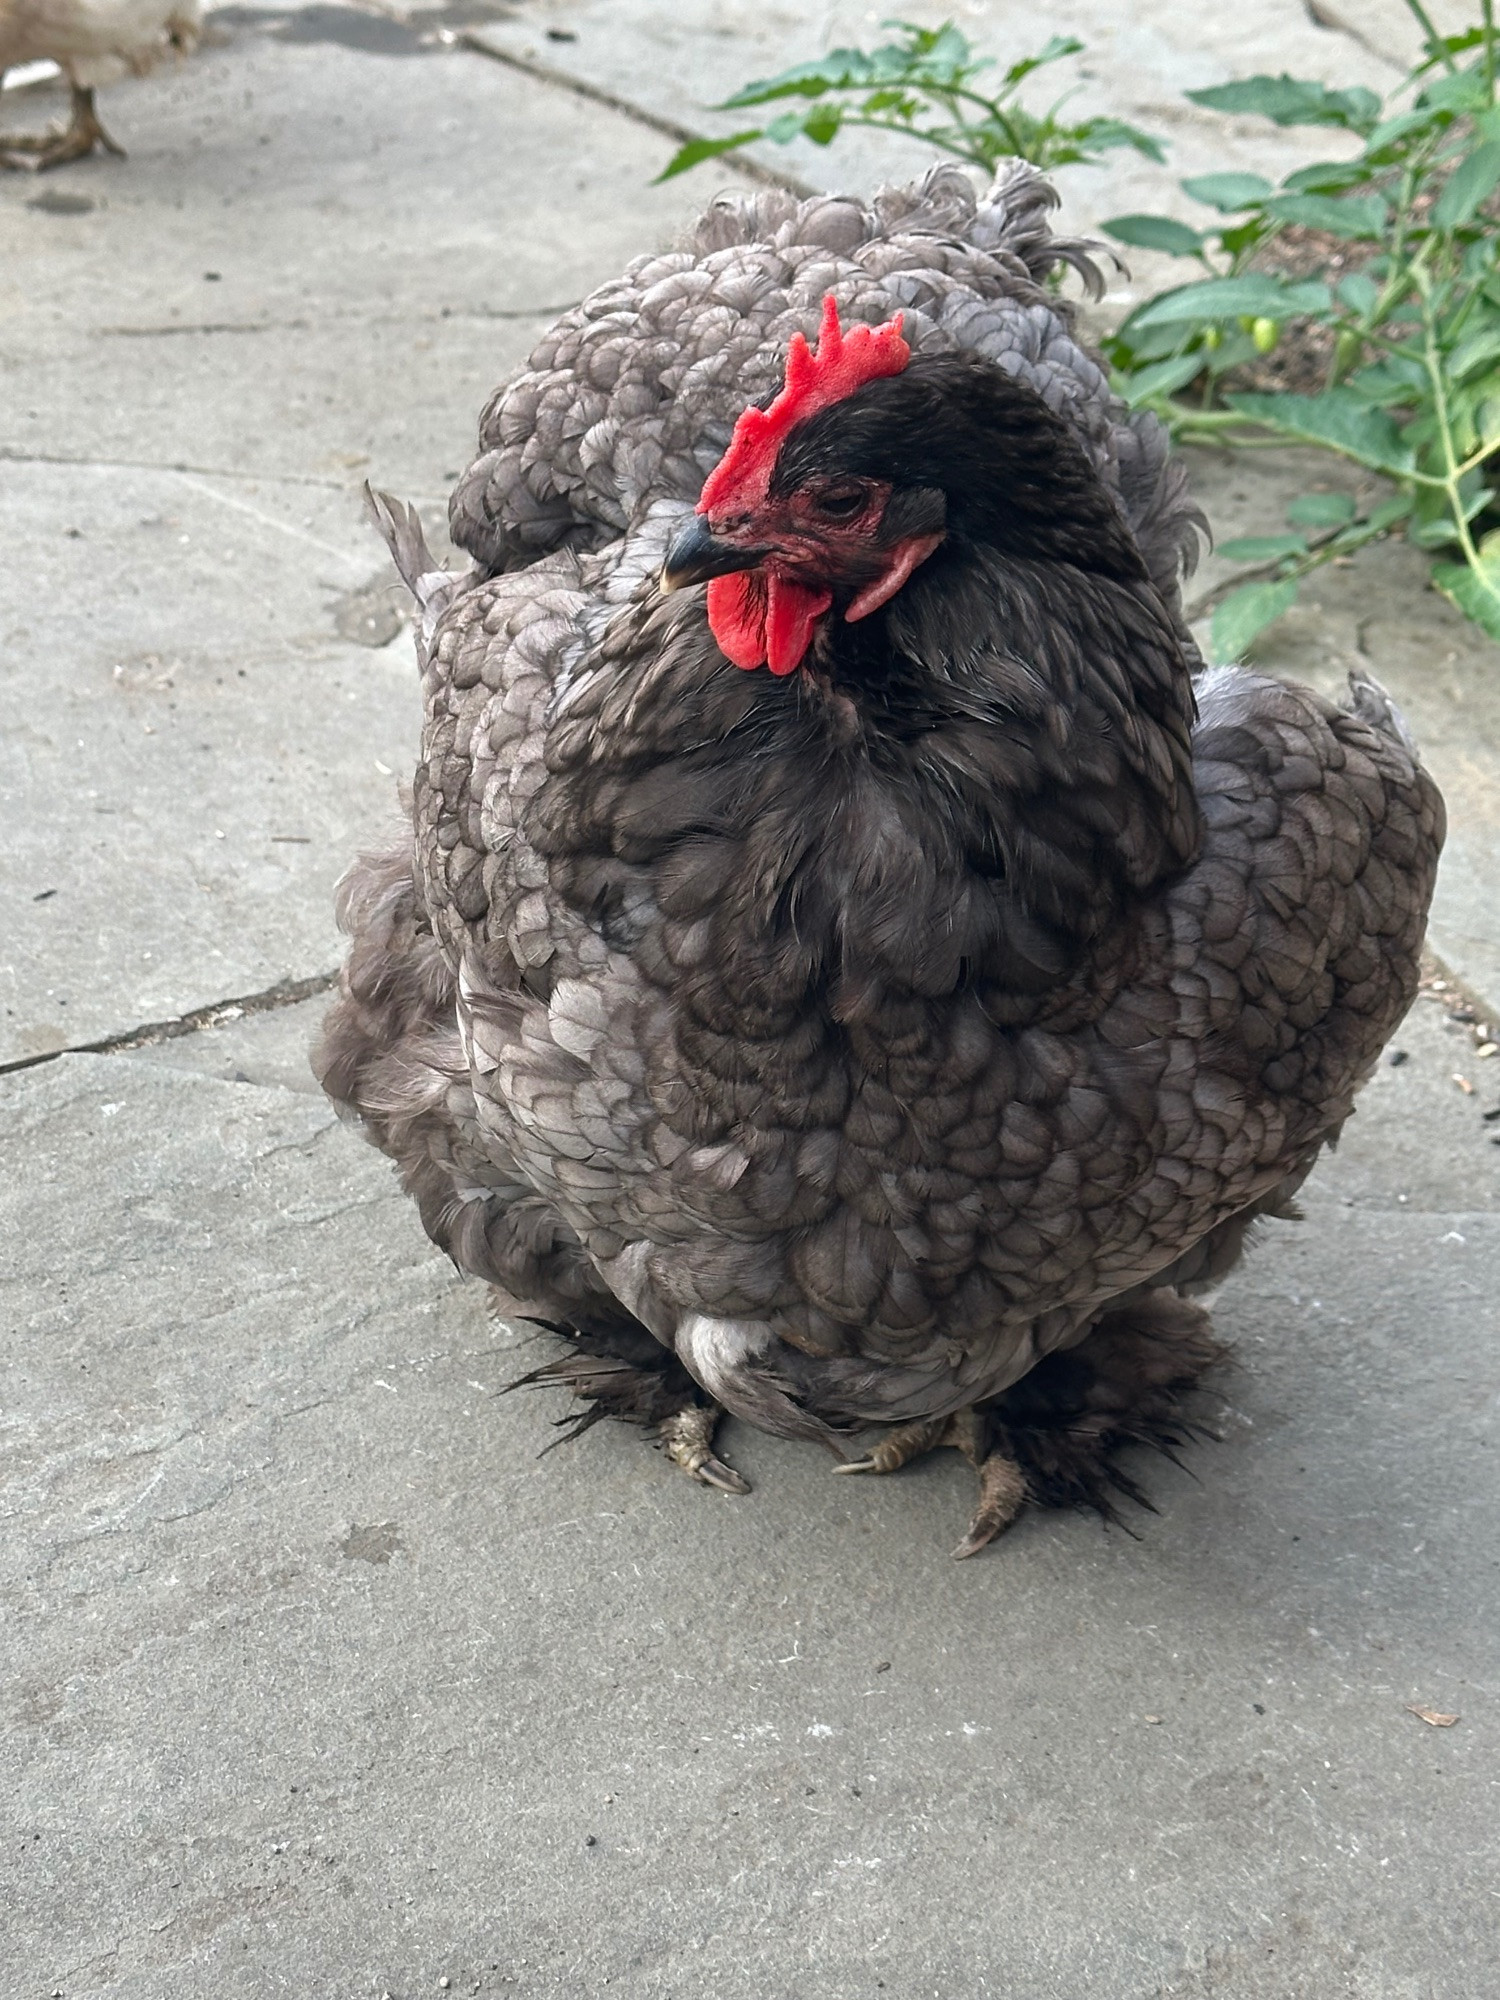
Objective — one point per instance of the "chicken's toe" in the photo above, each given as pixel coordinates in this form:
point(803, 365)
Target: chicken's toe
point(688, 1438)
point(1002, 1495)
point(83, 132)
point(900, 1445)
point(1002, 1484)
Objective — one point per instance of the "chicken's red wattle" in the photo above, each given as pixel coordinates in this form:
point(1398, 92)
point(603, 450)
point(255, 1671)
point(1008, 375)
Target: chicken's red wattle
point(762, 619)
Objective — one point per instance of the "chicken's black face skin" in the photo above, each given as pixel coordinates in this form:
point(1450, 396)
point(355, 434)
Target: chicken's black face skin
point(965, 448)
point(903, 501)
point(951, 451)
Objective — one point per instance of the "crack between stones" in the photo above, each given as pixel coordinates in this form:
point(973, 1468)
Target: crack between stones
point(302, 325)
point(593, 93)
point(10, 455)
point(1333, 20)
point(285, 993)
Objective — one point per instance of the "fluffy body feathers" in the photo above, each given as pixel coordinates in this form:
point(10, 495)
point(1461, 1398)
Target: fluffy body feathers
point(857, 1040)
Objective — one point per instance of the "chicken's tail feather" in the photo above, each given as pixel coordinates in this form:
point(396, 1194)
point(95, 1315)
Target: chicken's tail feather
point(400, 527)
point(1014, 214)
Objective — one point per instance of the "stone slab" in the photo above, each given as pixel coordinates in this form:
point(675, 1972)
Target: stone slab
point(679, 61)
point(269, 1046)
point(320, 1681)
point(317, 1680)
point(194, 719)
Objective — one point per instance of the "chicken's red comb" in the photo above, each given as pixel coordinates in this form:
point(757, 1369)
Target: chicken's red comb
point(842, 364)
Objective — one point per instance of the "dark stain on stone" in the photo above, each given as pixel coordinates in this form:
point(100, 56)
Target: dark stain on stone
point(37, 1703)
point(372, 614)
point(376, 1542)
point(54, 201)
point(351, 28)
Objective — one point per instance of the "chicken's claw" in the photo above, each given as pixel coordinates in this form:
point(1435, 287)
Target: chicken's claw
point(1002, 1484)
point(1002, 1495)
point(898, 1446)
point(35, 152)
point(688, 1437)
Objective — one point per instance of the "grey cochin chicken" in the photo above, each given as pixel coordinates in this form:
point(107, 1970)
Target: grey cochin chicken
point(93, 42)
point(849, 964)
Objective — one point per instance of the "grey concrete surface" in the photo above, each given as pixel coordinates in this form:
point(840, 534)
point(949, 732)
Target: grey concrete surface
point(181, 457)
point(316, 1680)
point(268, 1047)
point(326, 1684)
point(680, 60)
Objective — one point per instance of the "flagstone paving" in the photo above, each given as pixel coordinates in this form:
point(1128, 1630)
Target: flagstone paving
point(318, 1680)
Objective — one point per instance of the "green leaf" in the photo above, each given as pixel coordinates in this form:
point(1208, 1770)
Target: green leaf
point(1159, 379)
point(1288, 100)
point(1465, 92)
point(698, 150)
point(1359, 293)
point(1235, 238)
point(1050, 52)
point(1326, 177)
point(1476, 593)
point(1228, 192)
point(1263, 548)
point(1474, 180)
point(949, 44)
point(1475, 353)
point(1394, 381)
point(1321, 510)
point(1392, 130)
point(1342, 420)
point(1100, 135)
point(1253, 296)
point(1235, 350)
point(1435, 532)
point(1130, 348)
point(1156, 232)
point(1443, 48)
point(1389, 512)
point(1244, 613)
point(1355, 218)
point(893, 99)
point(840, 69)
point(1476, 496)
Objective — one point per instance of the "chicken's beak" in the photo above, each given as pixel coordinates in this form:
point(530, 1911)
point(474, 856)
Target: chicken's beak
point(695, 556)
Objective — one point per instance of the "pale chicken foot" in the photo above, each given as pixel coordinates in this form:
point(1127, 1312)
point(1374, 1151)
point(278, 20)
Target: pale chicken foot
point(687, 1438)
point(83, 132)
point(1002, 1484)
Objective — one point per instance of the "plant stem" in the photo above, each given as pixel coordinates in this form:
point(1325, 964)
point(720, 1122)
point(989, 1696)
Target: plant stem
point(1445, 433)
point(878, 124)
point(1434, 40)
point(1335, 542)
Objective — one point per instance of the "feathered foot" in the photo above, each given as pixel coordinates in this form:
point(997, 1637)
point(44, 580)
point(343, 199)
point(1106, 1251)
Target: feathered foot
point(1053, 1437)
point(83, 132)
point(623, 1372)
point(1002, 1483)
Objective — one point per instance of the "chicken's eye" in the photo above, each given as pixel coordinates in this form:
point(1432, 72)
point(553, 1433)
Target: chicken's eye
point(838, 503)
